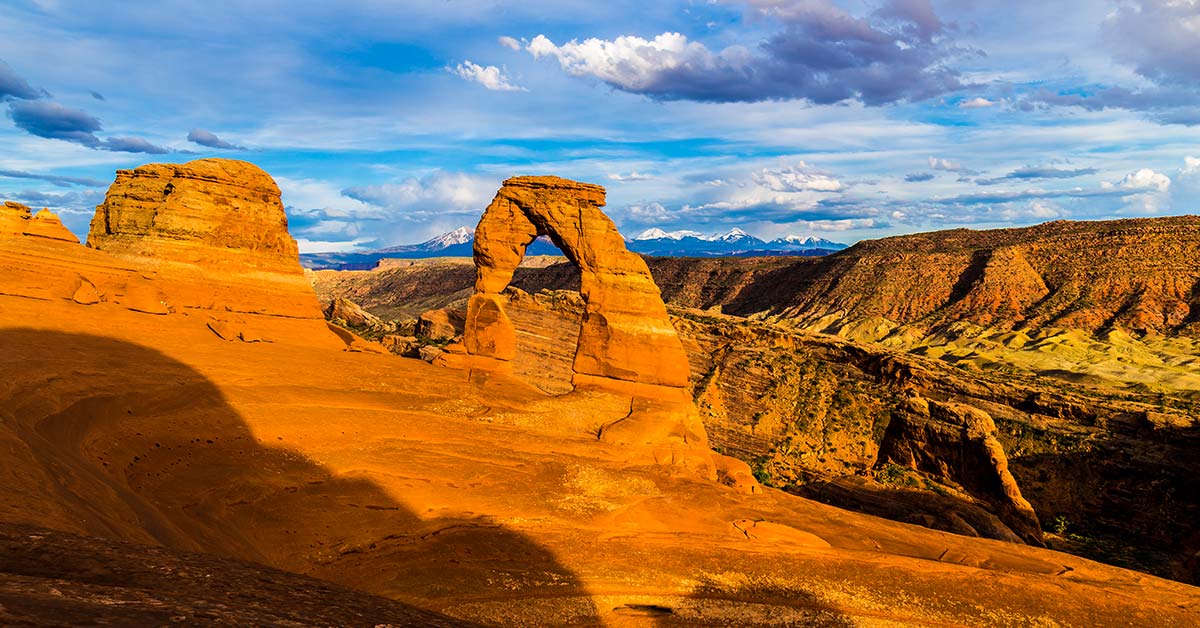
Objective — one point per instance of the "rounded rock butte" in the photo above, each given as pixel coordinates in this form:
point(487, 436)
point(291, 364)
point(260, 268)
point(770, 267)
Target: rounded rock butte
point(218, 225)
point(212, 212)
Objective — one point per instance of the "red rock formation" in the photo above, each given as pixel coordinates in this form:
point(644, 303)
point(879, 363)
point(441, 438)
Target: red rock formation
point(958, 443)
point(17, 220)
point(626, 337)
point(217, 225)
point(216, 212)
point(626, 342)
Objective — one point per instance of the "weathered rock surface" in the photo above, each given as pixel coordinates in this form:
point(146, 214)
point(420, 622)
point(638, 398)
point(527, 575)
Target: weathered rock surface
point(52, 578)
point(218, 225)
point(17, 220)
point(439, 324)
point(461, 493)
point(350, 314)
point(219, 213)
point(809, 410)
point(958, 444)
point(626, 335)
point(13, 219)
point(626, 343)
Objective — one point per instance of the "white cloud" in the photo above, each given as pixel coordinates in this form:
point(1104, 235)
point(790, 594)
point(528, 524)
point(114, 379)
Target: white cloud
point(848, 224)
point(648, 213)
point(436, 194)
point(629, 62)
point(798, 178)
point(977, 103)
point(1146, 179)
point(1191, 166)
point(939, 163)
point(509, 42)
point(319, 246)
point(490, 76)
point(632, 176)
point(314, 194)
point(1039, 209)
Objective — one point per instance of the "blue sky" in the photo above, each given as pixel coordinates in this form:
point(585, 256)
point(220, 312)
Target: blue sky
point(389, 122)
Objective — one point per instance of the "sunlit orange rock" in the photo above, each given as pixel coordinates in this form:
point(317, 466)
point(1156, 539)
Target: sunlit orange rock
point(217, 212)
point(626, 343)
point(217, 226)
point(627, 337)
point(17, 220)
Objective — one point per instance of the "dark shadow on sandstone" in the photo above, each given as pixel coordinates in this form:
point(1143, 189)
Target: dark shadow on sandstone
point(141, 448)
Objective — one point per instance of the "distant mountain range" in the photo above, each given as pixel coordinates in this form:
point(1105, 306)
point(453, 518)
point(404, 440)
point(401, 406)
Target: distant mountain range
point(734, 242)
point(656, 242)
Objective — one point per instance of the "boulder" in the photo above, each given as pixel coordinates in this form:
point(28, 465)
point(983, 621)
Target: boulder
point(350, 313)
point(407, 346)
point(86, 293)
point(439, 324)
point(430, 353)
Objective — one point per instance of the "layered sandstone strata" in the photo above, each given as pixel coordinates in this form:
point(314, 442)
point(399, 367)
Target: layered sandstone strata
point(217, 226)
point(626, 336)
point(216, 212)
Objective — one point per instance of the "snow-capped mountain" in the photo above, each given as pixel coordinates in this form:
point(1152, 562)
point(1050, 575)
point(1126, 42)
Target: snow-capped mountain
point(461, 235)
point(734, 235)
point(655, 241)
point(808, 242)
point(658, 234)
point(686, 243)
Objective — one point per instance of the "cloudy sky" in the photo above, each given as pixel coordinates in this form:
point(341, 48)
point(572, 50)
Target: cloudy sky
point(389, 122)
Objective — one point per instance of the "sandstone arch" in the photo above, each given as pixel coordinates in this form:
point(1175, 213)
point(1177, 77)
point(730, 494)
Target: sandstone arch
point(627, 344)
point(626, 341)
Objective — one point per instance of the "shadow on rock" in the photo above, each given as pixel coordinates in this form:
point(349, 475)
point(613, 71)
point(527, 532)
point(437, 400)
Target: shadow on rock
point(120, 441)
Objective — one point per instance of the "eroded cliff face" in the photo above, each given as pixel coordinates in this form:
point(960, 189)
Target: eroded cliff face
point(220, 213)
point(207, 239)
point(1139, 275)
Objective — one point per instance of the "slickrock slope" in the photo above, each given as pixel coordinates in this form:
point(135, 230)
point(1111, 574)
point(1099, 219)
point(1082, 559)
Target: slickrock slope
point(470, 497)
point(1099, 428)
point(49, 577)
